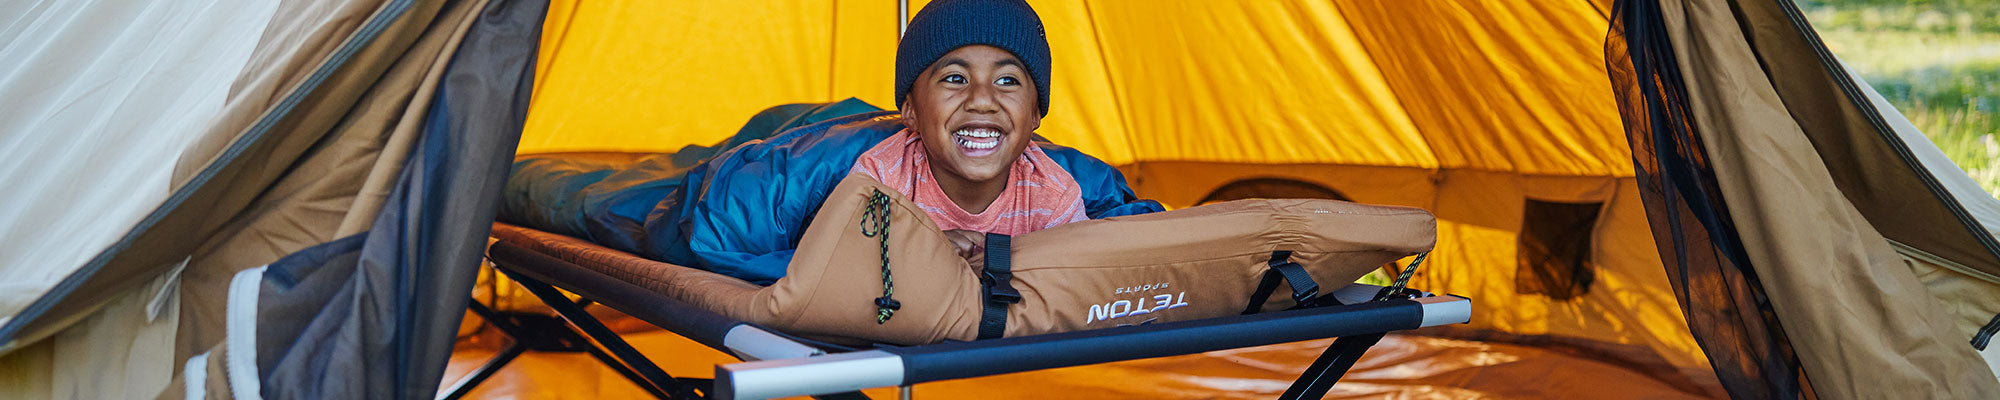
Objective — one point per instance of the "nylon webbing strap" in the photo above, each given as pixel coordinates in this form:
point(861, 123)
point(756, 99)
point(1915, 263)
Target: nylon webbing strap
point(997, 282)
point(1264, 289)
point(1304, 289)
point(1985, 335)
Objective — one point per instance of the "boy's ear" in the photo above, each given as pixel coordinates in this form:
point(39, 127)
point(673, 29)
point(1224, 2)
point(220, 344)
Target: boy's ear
point(909, 117)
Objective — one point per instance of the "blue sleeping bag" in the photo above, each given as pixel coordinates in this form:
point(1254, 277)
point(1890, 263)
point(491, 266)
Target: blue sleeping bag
point(738, 208)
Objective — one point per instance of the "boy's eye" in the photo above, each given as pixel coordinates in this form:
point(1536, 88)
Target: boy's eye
point(954, 79)
point(1007, 81)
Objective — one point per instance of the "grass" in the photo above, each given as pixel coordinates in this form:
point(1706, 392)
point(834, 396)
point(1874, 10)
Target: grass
point(1937, 61)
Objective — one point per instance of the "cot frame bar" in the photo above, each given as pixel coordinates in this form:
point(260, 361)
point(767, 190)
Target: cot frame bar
point(1359, 325)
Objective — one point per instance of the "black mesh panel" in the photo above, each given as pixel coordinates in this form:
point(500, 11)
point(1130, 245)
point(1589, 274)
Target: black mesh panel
point(1712, 278)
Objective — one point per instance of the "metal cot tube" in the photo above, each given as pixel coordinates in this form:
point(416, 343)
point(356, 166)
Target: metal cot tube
point(911, 365)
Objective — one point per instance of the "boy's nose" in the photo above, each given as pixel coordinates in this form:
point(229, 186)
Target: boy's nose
point(983, 99)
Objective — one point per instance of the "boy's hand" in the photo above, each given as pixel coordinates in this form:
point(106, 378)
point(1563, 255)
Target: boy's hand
point(970, 245)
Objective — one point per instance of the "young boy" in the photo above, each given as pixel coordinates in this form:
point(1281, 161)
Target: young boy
point(972, 81)
point(972, 78)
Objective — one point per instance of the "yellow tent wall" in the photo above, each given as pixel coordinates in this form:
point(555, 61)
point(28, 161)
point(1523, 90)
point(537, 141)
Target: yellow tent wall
point(1468, 109)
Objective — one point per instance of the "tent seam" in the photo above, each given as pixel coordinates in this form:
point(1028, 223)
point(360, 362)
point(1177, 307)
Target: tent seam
point(833, 52)
point(556, 51)
point(1913, 252)
point(1437, 163)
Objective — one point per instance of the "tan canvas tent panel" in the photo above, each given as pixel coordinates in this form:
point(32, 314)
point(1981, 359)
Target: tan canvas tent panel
point(229, 188)
point(89, 111)
point(1962, 287)
point(302, 151)
point(1763, 167)
point(284, 61)
point(76, 94)
point(1792, 127)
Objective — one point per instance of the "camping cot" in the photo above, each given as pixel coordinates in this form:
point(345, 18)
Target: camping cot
point(1721, 170)
point(786, 365)
point(1229, 258)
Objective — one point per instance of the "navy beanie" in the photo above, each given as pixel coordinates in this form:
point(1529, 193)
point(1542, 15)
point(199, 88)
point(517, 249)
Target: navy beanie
point(946, 25)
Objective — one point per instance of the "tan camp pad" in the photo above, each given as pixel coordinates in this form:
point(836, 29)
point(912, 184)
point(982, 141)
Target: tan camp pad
point(1178, 265)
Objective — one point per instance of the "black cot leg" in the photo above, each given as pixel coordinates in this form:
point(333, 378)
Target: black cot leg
point(660, 382)
point(472, 380)
point(628, 373)
point(514, 349)
point(535, 332)
point(1330, 366)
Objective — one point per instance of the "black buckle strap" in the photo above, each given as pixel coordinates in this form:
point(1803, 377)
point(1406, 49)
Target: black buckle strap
point(1304, 290)
point(996, 280)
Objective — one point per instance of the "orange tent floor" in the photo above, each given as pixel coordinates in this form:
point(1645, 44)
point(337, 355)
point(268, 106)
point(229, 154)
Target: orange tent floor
point(1400, 367)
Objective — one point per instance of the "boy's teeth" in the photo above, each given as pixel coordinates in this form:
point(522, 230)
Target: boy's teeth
point(978, 133)
point(977, 138)
point(976, 145)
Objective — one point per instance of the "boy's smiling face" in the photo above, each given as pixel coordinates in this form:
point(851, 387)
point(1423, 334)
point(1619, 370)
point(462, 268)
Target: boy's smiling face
point(975, 109)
